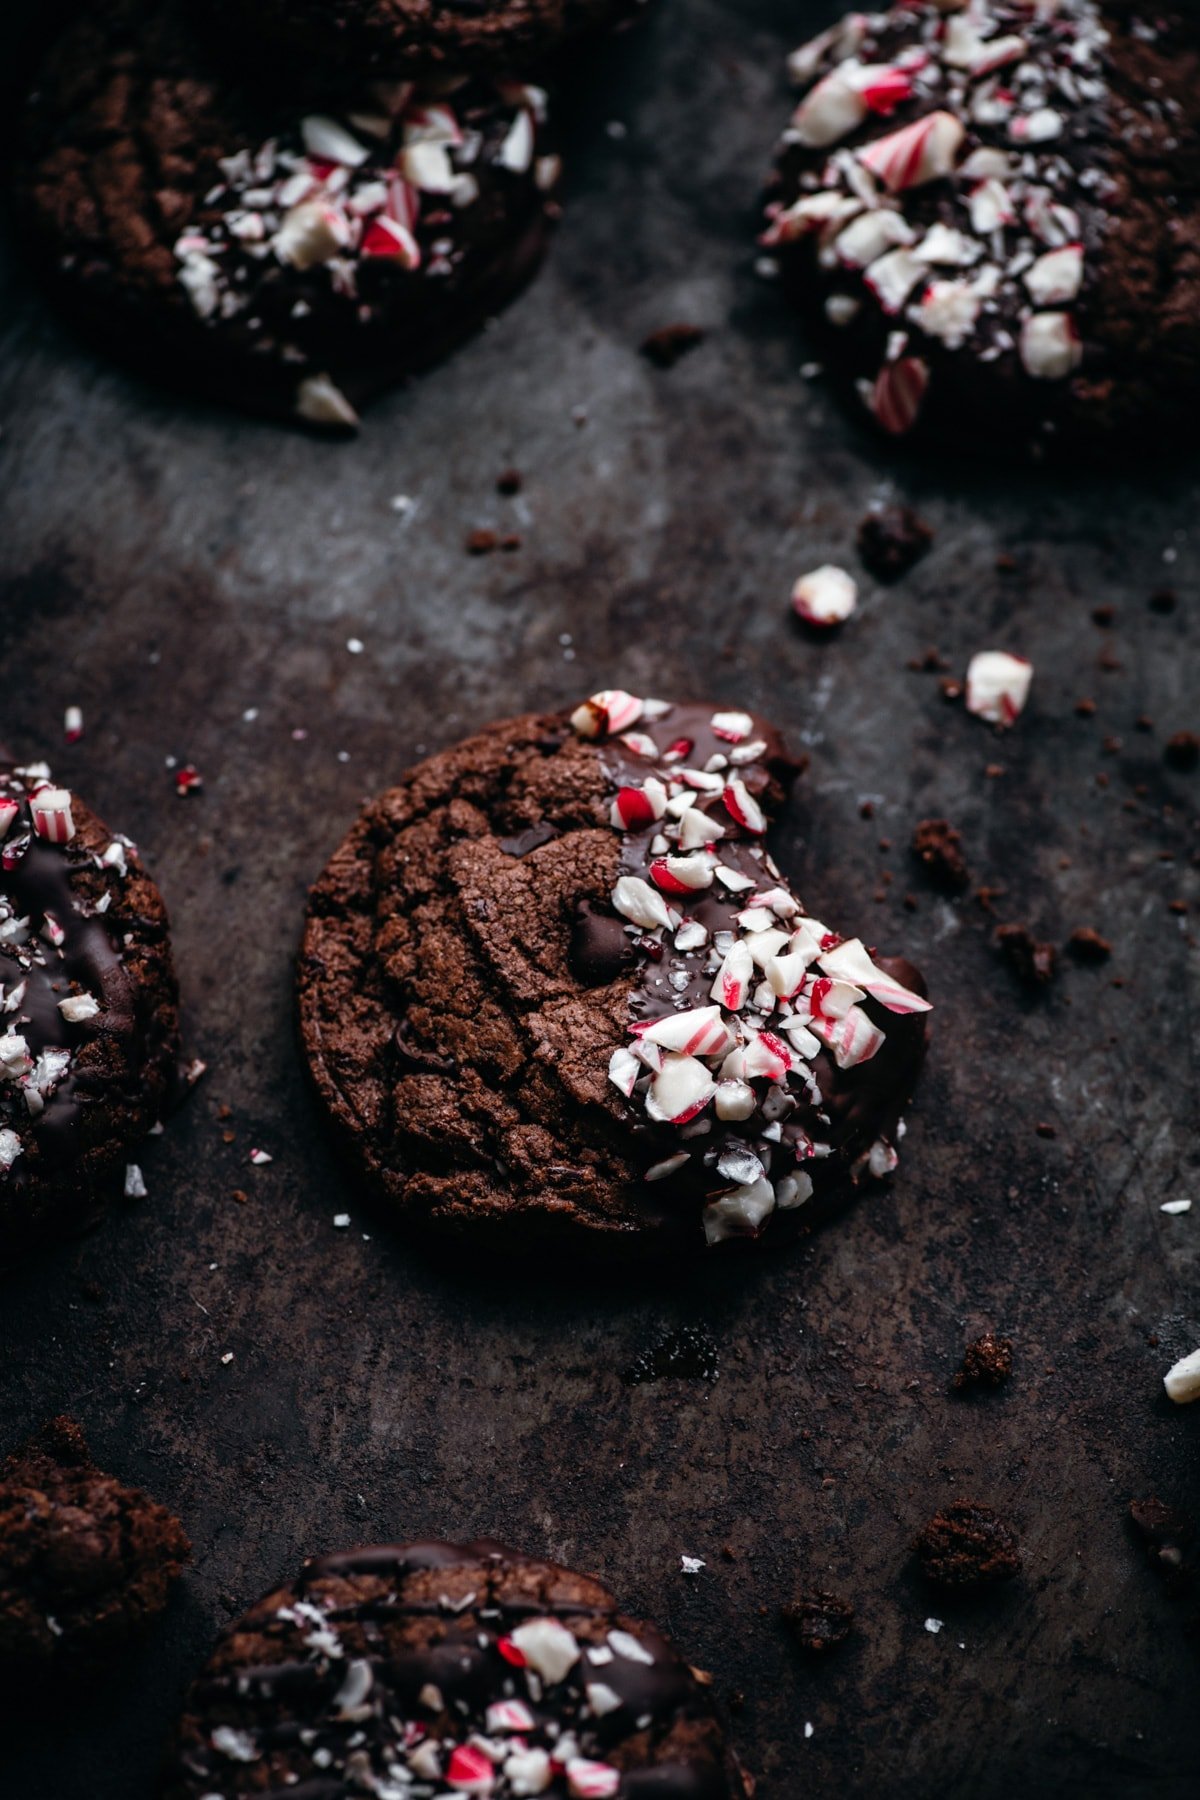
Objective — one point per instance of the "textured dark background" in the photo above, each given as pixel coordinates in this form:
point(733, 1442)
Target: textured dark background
point(169, 567)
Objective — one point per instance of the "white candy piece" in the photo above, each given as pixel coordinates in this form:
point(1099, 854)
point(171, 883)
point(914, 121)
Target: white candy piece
point(10, 1148)
point(1050, 346)
point(78, 1007)
point(683, 1088)
point(825, 596)
point(547, 1647)
point(328, 141)
point(998, 686)
point(322, 402)
point(1056, 277)
point(739, 1214)
point(310, 235)
point(640, 903)
point(1183, 1381)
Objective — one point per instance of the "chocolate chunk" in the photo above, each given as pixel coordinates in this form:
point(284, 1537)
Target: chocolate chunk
point(85, 1563)
point(891, 539)
point(939, 847)
point(1034, 962)
point(818, 1620)
point(601, 948)
point(967, 1545)
point(664, 348)
point(987, 1362)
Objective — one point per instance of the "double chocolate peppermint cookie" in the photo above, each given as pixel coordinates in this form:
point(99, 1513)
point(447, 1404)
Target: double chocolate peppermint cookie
point(85, 1563)
point(553, 987)
point(429, 1669)
point(403, 37)
point(993, 211)
point(281, 246)
point(89, 1030)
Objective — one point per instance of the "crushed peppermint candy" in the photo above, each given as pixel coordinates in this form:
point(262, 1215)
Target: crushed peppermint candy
point(741, 991)
point(349, 206)
point(825, 597)
point(48, 951)
point(937, 168)
point(998, 686)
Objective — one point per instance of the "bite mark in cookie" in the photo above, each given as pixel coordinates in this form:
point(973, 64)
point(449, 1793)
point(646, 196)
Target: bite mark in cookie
point(427, 1669)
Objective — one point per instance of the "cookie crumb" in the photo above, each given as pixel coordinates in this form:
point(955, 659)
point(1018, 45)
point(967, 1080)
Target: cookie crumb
point(818, 1620)
point(967, 1545)
point(891, 539)
point(987, 1362)
point(1032, 961)
point(667, 346)
point(939, 847)
point(481, 542)
point(1086, 945)
point(509, 482)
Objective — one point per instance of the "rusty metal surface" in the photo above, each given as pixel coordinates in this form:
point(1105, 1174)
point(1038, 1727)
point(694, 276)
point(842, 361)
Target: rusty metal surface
point(173, 569)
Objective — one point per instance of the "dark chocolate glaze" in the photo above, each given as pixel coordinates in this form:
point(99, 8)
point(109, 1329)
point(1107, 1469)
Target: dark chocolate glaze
point(857, 1105)
point(111, 944)
point(383, 1607)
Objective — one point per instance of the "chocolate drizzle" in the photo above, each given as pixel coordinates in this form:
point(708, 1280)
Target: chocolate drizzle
point(379, 1670)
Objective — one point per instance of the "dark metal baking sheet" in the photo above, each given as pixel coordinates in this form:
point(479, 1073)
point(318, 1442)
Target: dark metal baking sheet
point(191, 579)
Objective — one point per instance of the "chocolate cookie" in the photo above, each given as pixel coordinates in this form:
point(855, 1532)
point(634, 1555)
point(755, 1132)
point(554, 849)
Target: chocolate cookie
point(403, 37)
point(281, 247)
point(553, 987)
point(89, 1030)
point(993, 211)
point(85, 1563)
point(428, 1669)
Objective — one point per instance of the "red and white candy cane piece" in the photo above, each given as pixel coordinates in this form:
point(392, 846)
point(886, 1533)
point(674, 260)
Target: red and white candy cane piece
point(469, 1771)
point(606, 713)
point(990, 206)
point(850, 962)
point(624, 1070)
point(591, 1780)
point(853, 1039)
point(639, 744)
point(898, 393)
point(732, 727)
point(9, 809)
point(509, 1715)
point(918, 153)
point(681, 1090)
point(330, 142)
point(825, 596)
point(731, 989)
point(696, 830)
point(548, 1648)
point(998, 686)
point(883, 88)
point(403, 201)
point(767, 1055)
point(681, 874)
point(1050, 346)
point(829, 113)
point(50, 809)
point(743, 808)
point(635, 807)
point(700, 1031)
point(384, 237)
point(1055, 277)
